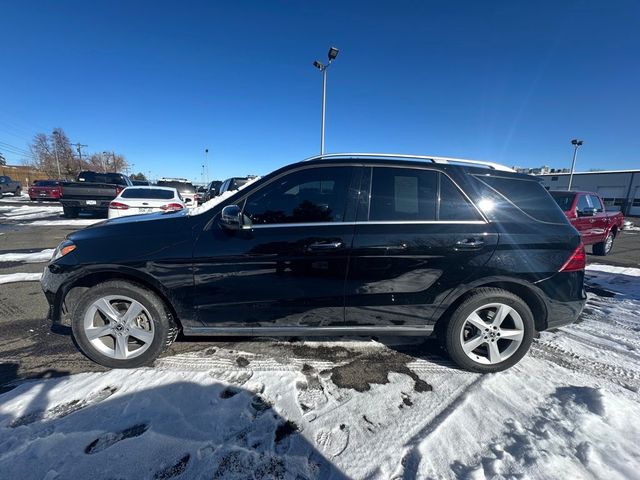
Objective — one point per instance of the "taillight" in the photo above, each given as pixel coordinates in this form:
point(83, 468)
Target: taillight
point(577, 261)
point(172, 207)
point(118, 206)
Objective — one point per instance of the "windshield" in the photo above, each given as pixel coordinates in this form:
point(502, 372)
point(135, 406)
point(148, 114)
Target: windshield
point(564, 200)
point(93, 177)
point(182, 187)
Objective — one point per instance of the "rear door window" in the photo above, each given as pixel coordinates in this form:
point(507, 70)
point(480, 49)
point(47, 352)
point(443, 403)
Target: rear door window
point(403, 194)
point(453, 204)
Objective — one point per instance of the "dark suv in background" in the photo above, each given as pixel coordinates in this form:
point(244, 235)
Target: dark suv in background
point(343, 244)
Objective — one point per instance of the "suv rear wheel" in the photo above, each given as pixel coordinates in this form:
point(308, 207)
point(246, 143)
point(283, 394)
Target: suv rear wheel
point(490, 331)
point(119, 324)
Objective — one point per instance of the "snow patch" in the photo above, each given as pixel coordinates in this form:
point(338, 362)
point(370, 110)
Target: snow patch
point(35, 257)
point(20, 277)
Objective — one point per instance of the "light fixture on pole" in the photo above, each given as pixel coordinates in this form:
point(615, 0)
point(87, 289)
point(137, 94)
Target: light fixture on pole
point(576, 144)
point(333, 53)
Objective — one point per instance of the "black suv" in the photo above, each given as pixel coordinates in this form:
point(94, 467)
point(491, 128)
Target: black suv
point(471, 252)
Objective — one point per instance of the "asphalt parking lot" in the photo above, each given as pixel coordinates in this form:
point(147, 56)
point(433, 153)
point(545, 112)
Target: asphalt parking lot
point(34, 350)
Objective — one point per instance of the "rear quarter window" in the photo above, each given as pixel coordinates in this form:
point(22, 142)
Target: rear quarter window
point(529, 196)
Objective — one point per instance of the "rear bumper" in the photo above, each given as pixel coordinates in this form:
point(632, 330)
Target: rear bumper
point(564, 296)
point(102, 205)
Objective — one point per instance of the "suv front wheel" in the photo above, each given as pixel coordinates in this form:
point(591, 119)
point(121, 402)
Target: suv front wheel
point(490, 331)
point(120, 324)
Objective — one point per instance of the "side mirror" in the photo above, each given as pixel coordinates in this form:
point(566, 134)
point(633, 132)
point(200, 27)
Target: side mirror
point(231, 218)
point(587, 212)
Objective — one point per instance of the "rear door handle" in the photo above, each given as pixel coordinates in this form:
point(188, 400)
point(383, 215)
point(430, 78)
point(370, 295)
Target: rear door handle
point(321, 246)
point(469, 244)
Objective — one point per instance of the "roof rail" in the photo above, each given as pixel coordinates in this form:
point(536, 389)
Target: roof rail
point(440, 160)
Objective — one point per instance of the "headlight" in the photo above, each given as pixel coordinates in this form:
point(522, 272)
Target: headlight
point(65, 247)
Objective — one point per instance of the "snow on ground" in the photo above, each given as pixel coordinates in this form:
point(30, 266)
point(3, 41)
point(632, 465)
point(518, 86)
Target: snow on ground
point(8, 197)
point(33, 257)
point(19, 277)
point(76, 222)
point(29, 212)
point(359, 409)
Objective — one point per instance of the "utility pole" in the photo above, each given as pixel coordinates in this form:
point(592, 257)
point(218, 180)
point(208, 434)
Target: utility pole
point(206, 162)
point(79, 149)
point(55, 151)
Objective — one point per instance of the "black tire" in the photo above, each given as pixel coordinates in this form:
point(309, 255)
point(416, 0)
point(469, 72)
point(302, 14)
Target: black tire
point(165, 328)
point(477, 299)
point(70, 212)
point(604, 248)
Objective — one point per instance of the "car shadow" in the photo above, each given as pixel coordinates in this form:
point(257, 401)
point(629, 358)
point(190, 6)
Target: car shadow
point(163, 430)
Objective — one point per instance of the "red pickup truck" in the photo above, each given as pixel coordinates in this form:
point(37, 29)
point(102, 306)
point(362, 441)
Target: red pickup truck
point(586, 212)
point(45, 190)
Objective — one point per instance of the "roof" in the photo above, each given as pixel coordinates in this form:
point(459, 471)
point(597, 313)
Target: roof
point(403, 156)
point(585, 173)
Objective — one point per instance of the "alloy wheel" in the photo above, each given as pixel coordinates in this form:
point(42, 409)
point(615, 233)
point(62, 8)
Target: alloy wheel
point(119, 327)
point(492, 333)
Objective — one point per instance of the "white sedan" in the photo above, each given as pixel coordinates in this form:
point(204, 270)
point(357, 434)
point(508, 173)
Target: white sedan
point(139, 199)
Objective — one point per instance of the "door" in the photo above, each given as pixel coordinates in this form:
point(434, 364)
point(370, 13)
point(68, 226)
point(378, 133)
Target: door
point(600, 220)
point(418, 237)
point(289, 269)
point(584, 222)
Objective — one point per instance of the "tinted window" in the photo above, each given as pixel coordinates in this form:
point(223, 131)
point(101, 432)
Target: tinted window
point(528, 195)
point(307, 196)
point(183, 187)
point(237, 183)
point(595, 202)
point(45, 183)
point(453, 204)
point(93, 177)
point(564, 200)
point(154, 193)
point(583, 203)
point(403, 194)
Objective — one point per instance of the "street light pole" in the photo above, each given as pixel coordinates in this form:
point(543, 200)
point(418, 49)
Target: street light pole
point(333, 53)
point(576, 143)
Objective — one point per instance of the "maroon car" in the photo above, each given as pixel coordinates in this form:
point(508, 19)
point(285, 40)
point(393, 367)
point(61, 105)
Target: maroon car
point(586, 212)
point(45, 190)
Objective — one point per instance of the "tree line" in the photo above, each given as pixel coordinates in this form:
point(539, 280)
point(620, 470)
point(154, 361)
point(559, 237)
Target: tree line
point(55, 155)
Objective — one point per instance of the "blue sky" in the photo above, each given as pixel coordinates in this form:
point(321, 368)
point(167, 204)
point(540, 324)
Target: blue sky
point(507, 81)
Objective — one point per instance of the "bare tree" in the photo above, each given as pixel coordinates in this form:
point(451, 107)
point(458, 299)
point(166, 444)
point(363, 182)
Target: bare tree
point(3, 161)
point(54, 153)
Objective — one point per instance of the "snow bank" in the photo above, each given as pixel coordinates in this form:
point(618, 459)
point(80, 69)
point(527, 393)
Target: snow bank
point(596, 267)
point(28, 212)
point(80, 222)
point(219, 199)
point(35, 257)
point(19, 277)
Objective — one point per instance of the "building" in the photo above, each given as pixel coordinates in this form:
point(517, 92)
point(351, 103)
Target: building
point(620, 189)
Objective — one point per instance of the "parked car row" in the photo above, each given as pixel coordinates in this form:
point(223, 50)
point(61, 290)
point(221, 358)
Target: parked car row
point(116, 195)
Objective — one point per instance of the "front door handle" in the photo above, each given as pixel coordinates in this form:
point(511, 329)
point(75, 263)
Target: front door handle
point(469, 244)
point(322, 246)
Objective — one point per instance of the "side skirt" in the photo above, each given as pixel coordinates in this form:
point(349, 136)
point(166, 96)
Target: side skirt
point(308, 331)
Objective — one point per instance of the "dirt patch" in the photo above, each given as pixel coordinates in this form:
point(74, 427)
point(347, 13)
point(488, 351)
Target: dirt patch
point(374, 368)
